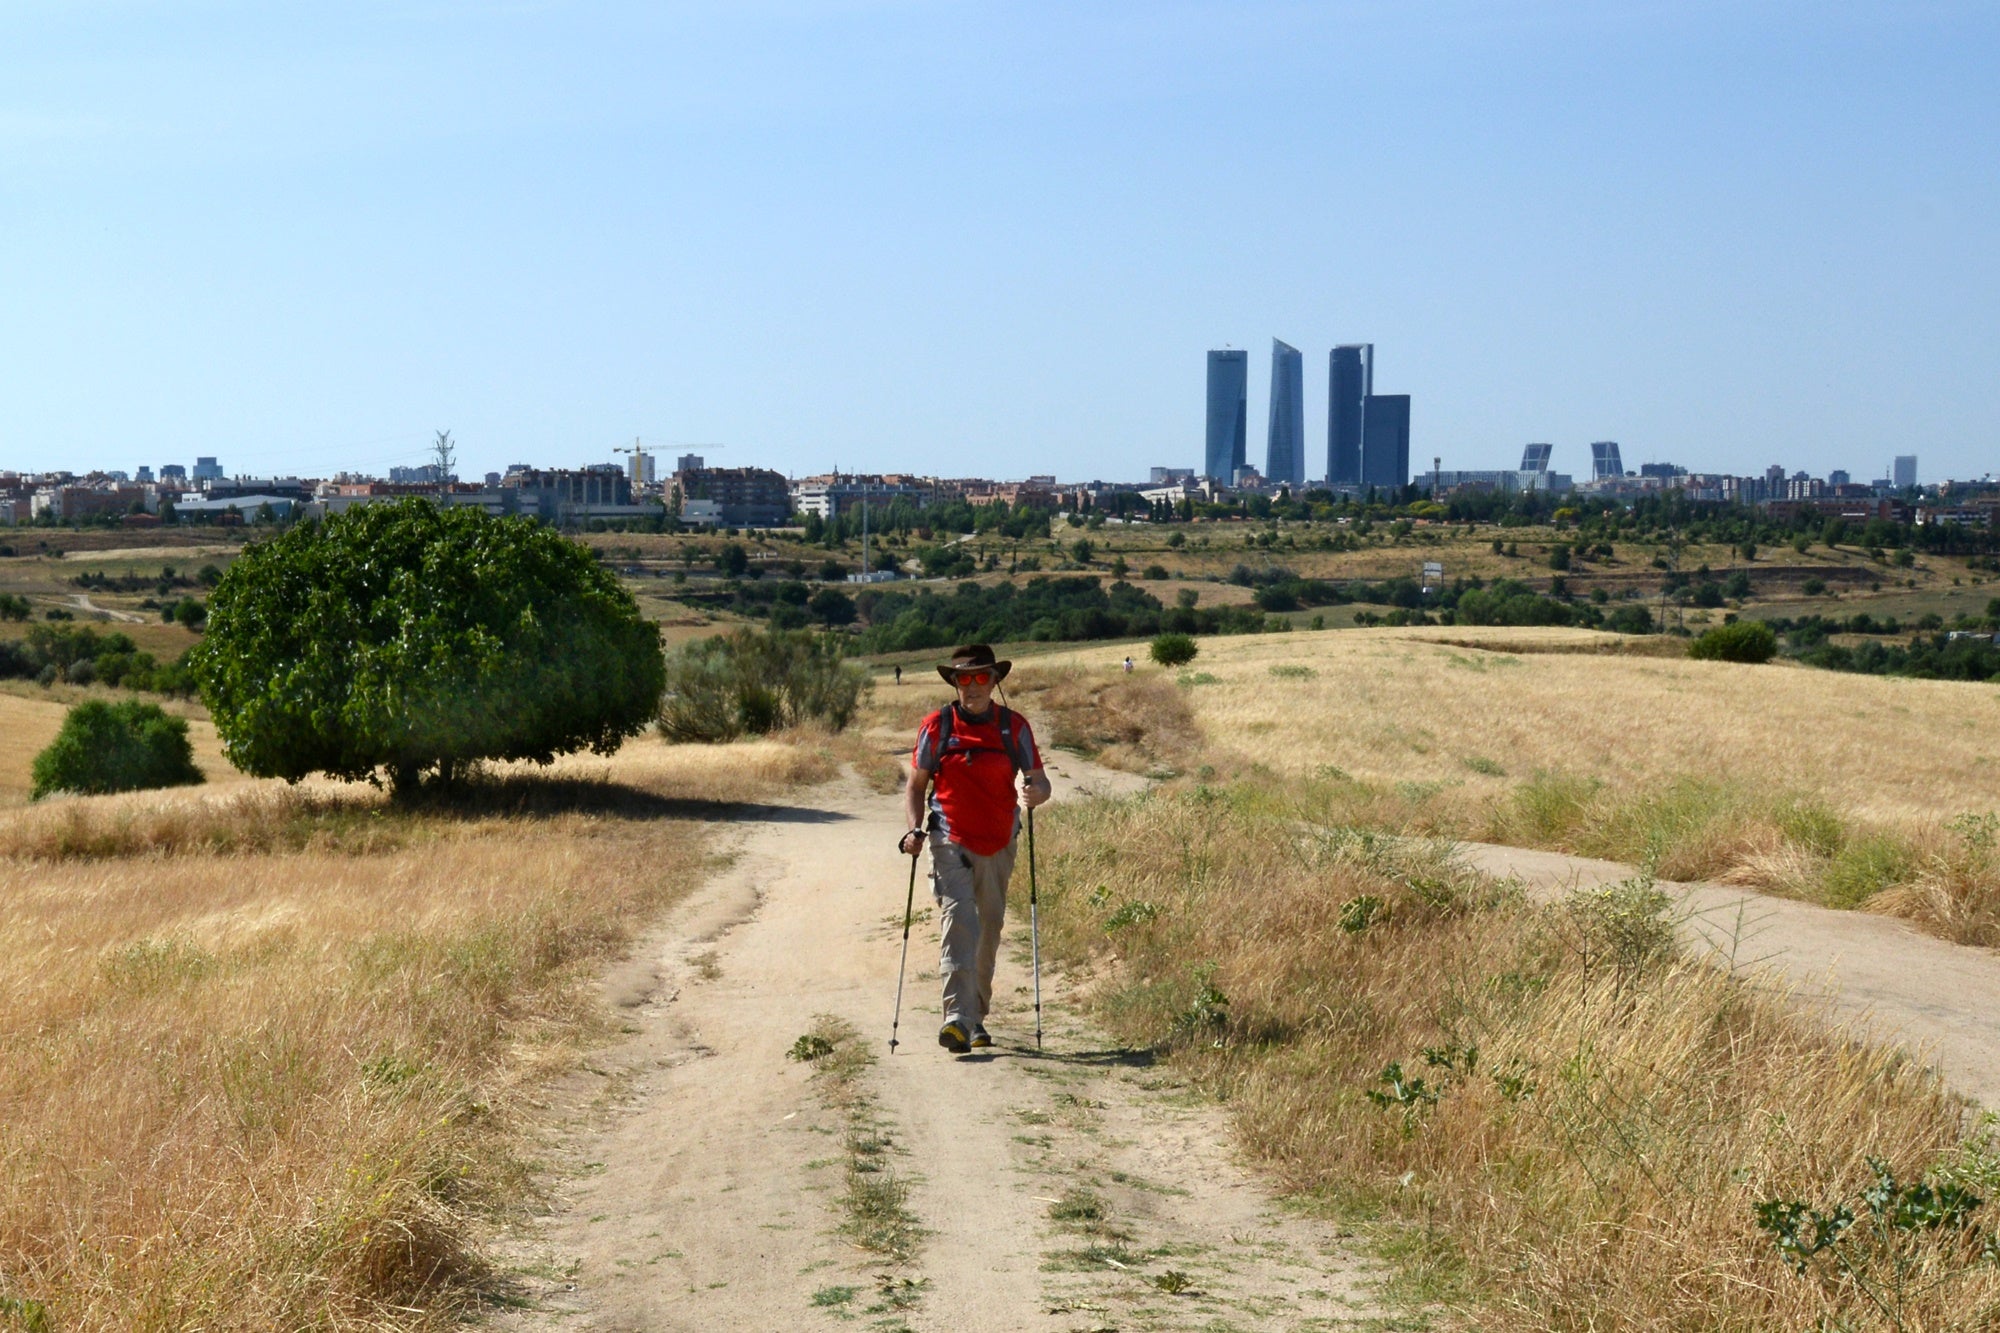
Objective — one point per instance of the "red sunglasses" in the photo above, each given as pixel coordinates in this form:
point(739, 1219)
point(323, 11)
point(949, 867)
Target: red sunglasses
point(973, 677)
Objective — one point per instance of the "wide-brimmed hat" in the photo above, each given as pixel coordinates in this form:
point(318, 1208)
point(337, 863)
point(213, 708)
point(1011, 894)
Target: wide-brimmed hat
point(969, 657)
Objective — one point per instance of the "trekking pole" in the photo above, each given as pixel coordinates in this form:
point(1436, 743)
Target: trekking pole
point(1035, 927)
point(909, 903)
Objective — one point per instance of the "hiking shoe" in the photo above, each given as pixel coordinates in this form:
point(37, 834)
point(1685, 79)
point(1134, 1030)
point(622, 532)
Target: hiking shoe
point(953, 1038)
point(979, 1038)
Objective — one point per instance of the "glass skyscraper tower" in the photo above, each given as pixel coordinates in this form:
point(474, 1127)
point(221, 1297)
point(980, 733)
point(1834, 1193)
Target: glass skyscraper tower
point(1228, 415)
point(1350, 379)
point(1385, 445)
point(1285, 440)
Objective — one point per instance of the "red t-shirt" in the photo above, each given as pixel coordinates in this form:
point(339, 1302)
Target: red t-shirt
point(973, 799)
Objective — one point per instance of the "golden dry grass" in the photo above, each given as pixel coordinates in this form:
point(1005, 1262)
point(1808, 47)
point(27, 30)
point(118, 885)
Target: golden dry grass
point(1819, 784)
point(261, 1049)
point(1597, 1121)
point(1397, 706)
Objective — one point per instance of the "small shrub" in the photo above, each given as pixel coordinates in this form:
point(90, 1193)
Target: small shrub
point(1173, 649)
point(752, 682)
point(105, 747)
point(1864, 868)
point(1749, 641)
point(811, 1046)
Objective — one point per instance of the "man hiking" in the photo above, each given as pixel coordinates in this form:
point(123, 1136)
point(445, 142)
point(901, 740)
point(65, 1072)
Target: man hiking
point(978, 765)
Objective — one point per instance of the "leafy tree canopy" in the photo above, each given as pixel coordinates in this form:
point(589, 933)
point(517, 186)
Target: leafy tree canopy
point(409, 638)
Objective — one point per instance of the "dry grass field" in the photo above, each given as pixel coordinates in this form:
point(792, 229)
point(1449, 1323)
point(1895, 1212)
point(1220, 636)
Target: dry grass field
point(1449, 705)
point(262, 1048)
point(1848, 789)
point(1547, 1118)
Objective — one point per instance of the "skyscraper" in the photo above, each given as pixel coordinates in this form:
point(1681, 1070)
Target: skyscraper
point(1228, 414)
point(1350, 379)
point(1385, 440)
point(1285, 440)
point(1905, 471)
point(1604, 460)
point(1535, 457)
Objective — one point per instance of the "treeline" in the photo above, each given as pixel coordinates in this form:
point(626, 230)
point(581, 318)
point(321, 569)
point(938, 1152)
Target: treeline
point(1463, 602)
point(81, 656)
point(903, 516)
point(1811, 631)
point(165, 582)
point(1047, 608)
point(1927, 657)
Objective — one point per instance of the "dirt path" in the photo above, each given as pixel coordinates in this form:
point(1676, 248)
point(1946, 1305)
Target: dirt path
point(83, 603)
point(703, 1184)
point(1941, 1000)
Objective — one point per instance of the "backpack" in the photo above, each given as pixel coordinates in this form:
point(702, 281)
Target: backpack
point(1006, 720)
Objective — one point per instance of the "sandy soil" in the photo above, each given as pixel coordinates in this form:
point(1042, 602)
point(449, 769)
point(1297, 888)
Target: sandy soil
point(1883, 976)
point(695, 1178)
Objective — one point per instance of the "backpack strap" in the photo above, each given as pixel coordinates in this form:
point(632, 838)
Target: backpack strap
point(1003, 715)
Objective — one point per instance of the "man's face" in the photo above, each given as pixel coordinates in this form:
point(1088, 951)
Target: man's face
point(975, 688)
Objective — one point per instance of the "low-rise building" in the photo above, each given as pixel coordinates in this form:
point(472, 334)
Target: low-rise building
point(835, 494)
point(740, 497)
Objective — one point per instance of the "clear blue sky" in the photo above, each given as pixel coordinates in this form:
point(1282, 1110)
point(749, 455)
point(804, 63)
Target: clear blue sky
point(994, 239)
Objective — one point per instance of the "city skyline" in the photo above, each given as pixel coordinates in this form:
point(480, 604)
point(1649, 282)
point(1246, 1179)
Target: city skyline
point(304, 238)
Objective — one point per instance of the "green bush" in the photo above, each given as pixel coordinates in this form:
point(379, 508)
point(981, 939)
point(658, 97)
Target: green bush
point(1172, 650)
point(411, 638)
point(750, 683)
point(1630, 619)
point(1744, 641)
point(105, 747)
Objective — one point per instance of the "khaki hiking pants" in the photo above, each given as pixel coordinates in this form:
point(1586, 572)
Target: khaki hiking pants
point(971, 894)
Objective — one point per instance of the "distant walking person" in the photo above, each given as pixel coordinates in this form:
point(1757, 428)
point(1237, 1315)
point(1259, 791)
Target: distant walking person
point(974, 767)
point(1128, 664)
point(899, 675)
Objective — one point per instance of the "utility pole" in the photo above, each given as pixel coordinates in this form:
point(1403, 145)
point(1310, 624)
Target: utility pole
point(864, 532)
point(442, 448)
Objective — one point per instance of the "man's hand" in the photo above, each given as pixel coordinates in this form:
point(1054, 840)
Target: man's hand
point(1034, 789)
point(911, 843)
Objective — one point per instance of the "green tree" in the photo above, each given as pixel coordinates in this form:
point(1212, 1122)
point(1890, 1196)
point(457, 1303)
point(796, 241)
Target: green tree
point(832, 606)
point(106, 747)
point(406, 638)
point(732, 561)
point(1173, 649)
point(190, 613)
point(1081, 550)
point(1559, 556)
